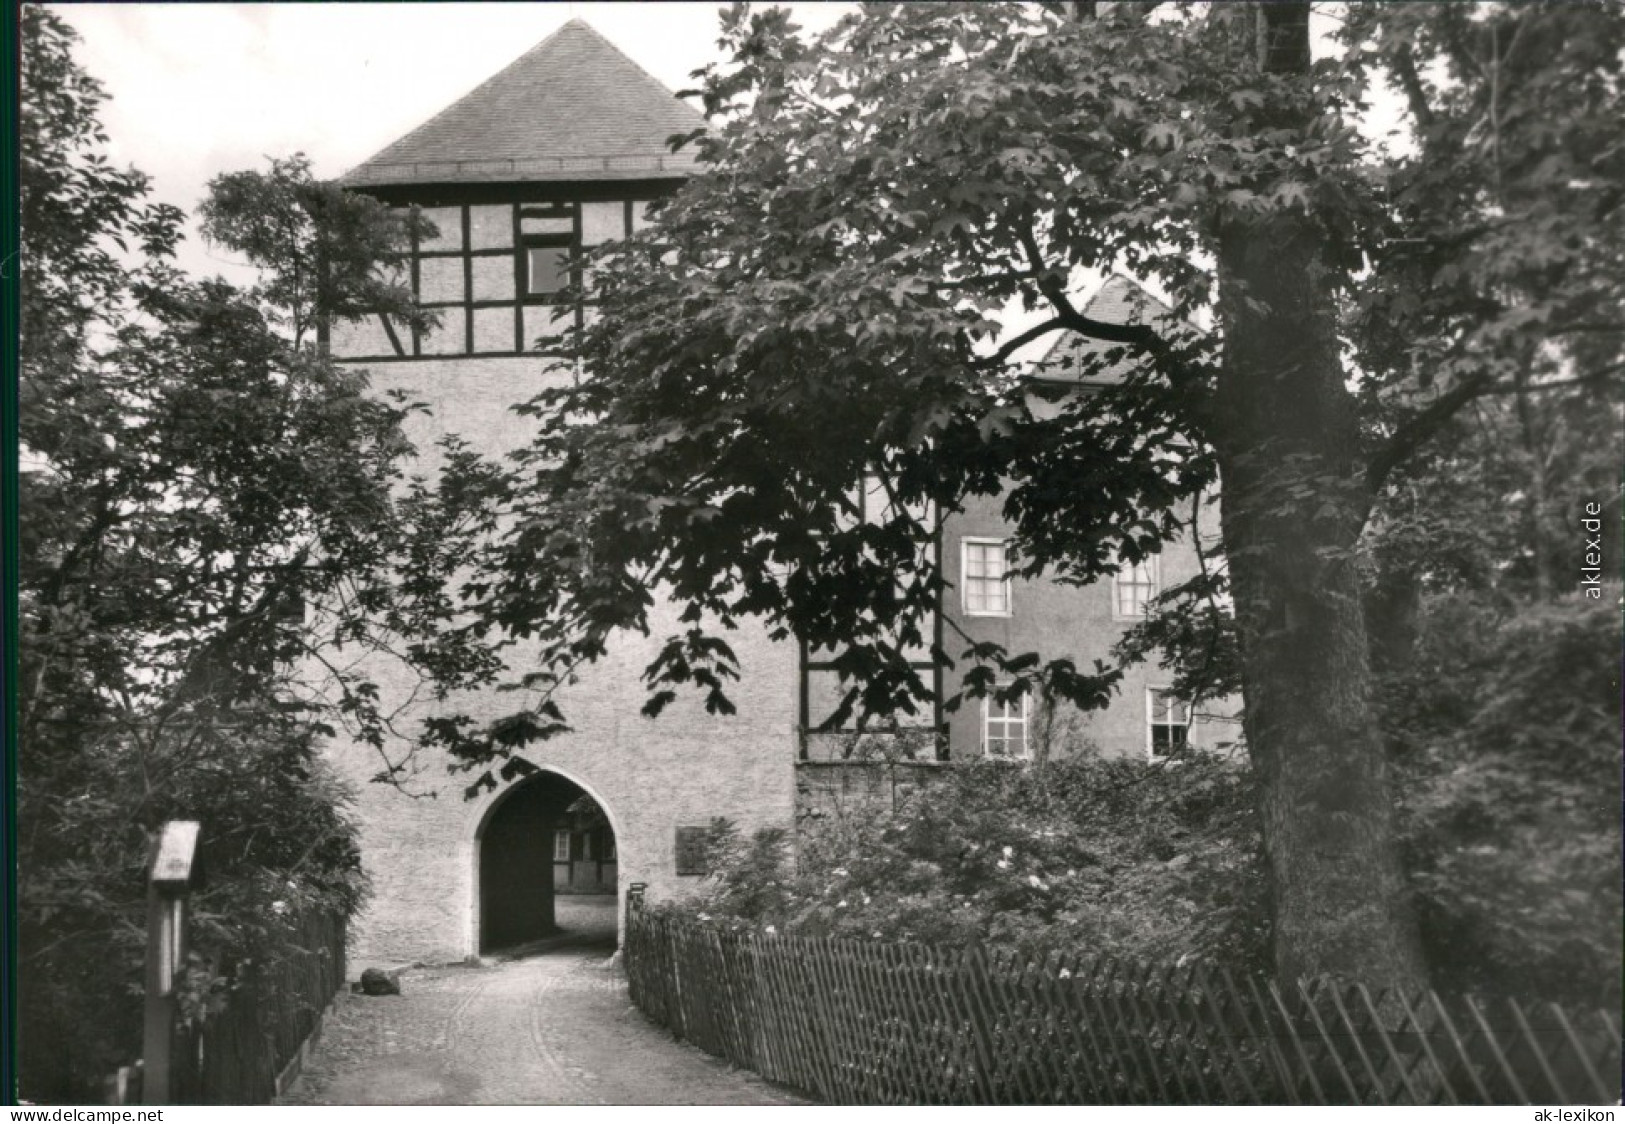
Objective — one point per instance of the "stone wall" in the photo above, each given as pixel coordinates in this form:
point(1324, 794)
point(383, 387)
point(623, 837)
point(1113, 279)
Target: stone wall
point(835, 789)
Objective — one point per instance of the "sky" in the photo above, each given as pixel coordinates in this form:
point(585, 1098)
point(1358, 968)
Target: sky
point(197, 90)
point(201, 89)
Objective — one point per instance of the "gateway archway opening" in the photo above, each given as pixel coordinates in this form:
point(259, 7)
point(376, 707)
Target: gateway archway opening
point(548, 866)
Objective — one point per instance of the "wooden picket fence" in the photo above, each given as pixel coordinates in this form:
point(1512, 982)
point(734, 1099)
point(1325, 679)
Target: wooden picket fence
point(246, 1053)
point(857, 1022)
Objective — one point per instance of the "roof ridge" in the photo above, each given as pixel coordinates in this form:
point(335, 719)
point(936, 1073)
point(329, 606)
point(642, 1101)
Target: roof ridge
point(636, 65)
point(1137, 290)
point(461, 98)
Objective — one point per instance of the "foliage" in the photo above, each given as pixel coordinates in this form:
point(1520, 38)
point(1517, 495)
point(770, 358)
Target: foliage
point(1190, 630)
point(77, 208)
point(1499, 269)
point(323, 251)
point(922, 169)
point(276, 842)
point(826, 300)
point(1496, 507)
point(1111, 856)
point(1506, 738)
point(207, 519)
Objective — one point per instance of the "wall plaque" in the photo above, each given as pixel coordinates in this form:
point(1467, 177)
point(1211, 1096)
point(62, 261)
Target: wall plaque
point(691, 851)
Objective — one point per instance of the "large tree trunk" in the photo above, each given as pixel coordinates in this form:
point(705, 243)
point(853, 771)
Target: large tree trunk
point(1293, 503)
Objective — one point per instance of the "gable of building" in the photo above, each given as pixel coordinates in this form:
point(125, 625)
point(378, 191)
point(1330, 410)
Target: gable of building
point(1083, 360)
point(571, 108)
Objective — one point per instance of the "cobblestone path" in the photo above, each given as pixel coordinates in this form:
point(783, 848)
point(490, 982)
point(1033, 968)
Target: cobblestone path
point(555, 1028)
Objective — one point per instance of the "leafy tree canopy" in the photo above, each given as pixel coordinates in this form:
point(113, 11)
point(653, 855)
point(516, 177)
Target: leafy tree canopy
point(208, 538)
point(826, 300)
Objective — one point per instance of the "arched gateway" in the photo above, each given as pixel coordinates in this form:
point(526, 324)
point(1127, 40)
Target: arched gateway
point(546, 836)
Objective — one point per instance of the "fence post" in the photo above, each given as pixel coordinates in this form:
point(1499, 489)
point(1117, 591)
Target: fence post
point(632, 947)
point(169, 878)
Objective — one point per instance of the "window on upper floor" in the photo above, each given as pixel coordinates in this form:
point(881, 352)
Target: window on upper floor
point(1168, 723)
point(546, 272)
point(493, 273)
point(561, 846)
point(1004, 729)
point(985, 573)
point(1134, 587)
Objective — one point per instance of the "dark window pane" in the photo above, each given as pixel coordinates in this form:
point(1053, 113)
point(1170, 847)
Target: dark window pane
point(546, 271)
point(1164, 738)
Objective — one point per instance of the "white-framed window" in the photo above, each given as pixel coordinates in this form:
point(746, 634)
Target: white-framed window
point(1004, 729)
point(561, 846)
point(1134, 586)
point(1167, 723)
point(985, 568)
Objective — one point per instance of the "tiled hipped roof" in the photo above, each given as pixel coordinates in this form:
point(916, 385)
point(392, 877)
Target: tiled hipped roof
point(573, 107)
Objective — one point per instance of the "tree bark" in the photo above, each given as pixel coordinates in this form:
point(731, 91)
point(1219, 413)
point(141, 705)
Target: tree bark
point(1293, 502)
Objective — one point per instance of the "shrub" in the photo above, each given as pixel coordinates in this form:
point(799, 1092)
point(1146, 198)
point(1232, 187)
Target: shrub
point(1112, 857)
point(1504, 736)
point(1506, 741)
point(275, 842)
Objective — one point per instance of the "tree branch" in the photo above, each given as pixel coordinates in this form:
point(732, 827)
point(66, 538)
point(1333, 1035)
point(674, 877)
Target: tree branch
point(1411, 83)
point(1142, 337)
point(1555, 384)
point(1416, 431)
point(1016, 343)
point(1049, 283)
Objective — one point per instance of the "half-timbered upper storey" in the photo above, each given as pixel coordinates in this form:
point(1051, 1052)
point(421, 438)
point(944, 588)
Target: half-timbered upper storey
point(562, 150)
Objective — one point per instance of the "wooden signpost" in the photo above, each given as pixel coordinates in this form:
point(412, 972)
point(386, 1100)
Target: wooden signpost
point(169, 879)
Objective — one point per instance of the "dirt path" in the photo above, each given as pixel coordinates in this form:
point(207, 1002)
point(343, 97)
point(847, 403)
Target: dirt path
point(555, 1028)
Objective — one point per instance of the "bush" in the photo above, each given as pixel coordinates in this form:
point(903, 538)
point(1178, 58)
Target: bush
point(1504, 737)
point(275, 843)
point(1506, 742)
point(1113, 857)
